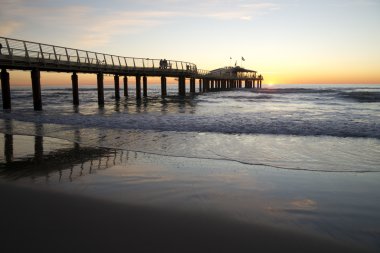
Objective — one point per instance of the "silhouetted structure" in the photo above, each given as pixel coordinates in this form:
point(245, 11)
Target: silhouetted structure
point(37, 57)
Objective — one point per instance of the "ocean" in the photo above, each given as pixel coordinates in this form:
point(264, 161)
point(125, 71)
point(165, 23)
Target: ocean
point(282, 126)
point(304, 156)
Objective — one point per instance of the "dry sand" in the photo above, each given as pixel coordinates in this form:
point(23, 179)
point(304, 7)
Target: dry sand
point(38, 220)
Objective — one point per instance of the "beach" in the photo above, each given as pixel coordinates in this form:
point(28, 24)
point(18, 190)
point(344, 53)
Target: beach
point(202, 174)
point(47, 221)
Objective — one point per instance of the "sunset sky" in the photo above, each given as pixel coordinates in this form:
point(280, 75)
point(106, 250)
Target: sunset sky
point(288, 41)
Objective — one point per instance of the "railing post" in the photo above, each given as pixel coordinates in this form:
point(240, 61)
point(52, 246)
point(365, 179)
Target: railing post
point(55, 54)
point(67, 55)
point(105, 60)
point(42, 53)
point(26, 52)
point(125, 81)
point(36, 88)
point(10, 53)
point(78, 58)
point(119, 61)
point(74, 80)
point(5, 89)
point(100, 89)
point(88, 58)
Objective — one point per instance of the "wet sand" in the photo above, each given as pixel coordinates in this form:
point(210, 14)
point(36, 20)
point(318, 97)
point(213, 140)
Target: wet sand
point(38, 220)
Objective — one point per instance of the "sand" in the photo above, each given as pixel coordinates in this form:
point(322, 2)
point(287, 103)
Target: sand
point(35, 219)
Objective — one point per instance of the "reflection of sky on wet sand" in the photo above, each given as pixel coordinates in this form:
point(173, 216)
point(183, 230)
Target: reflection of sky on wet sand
point(342, 205)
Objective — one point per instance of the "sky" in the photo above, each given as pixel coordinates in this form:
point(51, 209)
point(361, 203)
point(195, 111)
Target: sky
point(288, 41)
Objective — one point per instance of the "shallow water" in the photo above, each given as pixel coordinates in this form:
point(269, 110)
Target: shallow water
point(278, 127)
point(341, 206)
point(305, 157)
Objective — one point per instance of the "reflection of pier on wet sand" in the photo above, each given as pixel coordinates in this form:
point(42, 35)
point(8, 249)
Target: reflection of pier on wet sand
point(61, 163)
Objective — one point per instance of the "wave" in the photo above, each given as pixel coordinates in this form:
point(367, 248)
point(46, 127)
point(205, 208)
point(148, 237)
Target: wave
point(362, 96)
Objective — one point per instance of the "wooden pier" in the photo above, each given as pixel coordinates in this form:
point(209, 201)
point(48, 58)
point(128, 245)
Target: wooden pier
point(37, 57)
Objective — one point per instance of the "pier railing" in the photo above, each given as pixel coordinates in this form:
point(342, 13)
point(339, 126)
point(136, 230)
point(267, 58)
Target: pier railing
point(28, 54)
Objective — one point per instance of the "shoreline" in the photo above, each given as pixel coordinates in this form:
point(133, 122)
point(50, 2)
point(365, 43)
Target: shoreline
point(88, 192)
point(36, 219)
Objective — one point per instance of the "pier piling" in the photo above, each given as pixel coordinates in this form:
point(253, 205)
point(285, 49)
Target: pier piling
point(138, 87)
point(163, 86)
point(182, 86)
point(36, 88)
point(117, 87)
point(125, 80)
point(5, 89)
point(192, 85)
point(145, 86)
point(8, 148)
point(74, 80)
point(100, 79)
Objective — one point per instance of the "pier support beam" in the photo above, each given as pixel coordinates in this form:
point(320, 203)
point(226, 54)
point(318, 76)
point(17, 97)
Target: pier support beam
point(5, 89)
point(138, 87)
point(74, 82)
point(125, 80)
point(182, 86)
point(100, 79)
point(192, 85)
point(38, 148)
point(200, 85)
point(145, 86)
point(117, 87)
point(204, 85)
point(36, 87)
point(163, 86)
point(8, 148)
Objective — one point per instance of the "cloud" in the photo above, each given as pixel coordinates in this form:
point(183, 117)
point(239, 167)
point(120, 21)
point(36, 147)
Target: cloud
point(94, 24)
point(9, 27)
point(304, 204)
point(236, 10)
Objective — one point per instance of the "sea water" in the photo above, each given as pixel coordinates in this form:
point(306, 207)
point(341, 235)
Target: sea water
point(294, 156)
point(317, 128)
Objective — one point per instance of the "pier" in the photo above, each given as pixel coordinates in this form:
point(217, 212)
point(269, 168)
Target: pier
point(38, 57)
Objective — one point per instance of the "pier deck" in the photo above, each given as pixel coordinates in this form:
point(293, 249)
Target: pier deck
point(36, 57)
